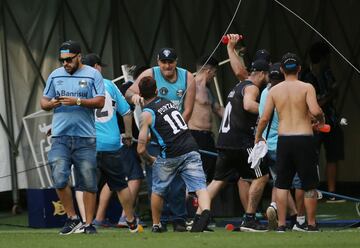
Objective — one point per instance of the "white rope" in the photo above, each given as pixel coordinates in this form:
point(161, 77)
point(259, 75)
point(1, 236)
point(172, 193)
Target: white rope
point(327, 41)
point(217, 46)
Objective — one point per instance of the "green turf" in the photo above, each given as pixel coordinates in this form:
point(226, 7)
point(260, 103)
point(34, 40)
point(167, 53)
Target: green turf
point(15, 233)
point(220, 238)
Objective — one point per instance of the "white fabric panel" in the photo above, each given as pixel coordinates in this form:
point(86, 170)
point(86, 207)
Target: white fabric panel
point(5, 179)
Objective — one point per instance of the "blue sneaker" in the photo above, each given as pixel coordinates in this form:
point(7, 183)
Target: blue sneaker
point(90, 229)
point(122, 222)
point(102, 223)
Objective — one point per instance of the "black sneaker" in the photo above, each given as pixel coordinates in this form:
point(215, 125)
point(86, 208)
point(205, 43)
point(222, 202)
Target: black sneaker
point(133, 226)
point(179, 226)
point(90, 229)
point(202, 222)
point(300, 228)
point(252, 226)
point(281, 229)
point(312, 228)
point(70, 226)
point(271, 215)
point(157, 229)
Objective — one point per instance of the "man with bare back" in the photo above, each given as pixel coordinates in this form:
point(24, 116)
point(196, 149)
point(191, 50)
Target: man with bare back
point(296, 105)
point(201, 119)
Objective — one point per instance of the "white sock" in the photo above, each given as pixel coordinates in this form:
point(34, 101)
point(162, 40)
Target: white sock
point(75, 217)
point(273, 204)
point(300, 219)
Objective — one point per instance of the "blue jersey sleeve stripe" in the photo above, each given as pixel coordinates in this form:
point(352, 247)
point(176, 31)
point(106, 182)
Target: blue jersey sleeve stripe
point(185, 79)
point(64, 76)
point(161, 142)
point(152, 115)
point(48, 88)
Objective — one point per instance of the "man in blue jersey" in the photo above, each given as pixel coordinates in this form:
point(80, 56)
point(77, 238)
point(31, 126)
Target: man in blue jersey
point(73, 91)
point(109, 143)
point(177, 85)
point(178, 154)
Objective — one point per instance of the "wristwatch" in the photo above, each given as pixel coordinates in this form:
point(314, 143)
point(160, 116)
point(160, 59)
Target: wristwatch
point(78, 101)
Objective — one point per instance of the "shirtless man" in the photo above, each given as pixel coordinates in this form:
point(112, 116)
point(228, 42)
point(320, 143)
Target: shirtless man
point(296, 105)
point(200, 122)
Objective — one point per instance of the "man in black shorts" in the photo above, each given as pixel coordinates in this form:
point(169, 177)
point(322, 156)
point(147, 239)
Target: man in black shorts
point(321, 77)
point(236, 141)
point(296, 104)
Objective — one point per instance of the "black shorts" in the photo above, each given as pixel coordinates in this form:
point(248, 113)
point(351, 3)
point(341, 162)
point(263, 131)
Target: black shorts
point(235, 162)
point(297, 153)
point(205, 141)
point(333, 144)
point(132, 163)
point(112, 169)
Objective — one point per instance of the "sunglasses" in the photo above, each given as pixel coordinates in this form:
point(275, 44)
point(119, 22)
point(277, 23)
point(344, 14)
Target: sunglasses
point(68, 59)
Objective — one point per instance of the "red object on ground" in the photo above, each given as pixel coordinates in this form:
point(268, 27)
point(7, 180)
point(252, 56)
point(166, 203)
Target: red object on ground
point(229, 227)
point(225, 39)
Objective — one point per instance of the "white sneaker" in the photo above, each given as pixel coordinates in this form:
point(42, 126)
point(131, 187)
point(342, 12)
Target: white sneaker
point(271, 214)
point(81, 229)
point(300, 228)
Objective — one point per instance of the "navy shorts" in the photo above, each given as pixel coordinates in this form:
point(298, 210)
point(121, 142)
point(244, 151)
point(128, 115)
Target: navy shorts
point(132, 163)
point(112, 170)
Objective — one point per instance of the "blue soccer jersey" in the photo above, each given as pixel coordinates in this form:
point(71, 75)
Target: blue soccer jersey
point(85, 83)
point(107, 129)
point(171, 91)
point(273, 133)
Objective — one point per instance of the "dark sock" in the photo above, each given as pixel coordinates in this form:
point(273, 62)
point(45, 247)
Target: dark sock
point(293, 220)
point(196, 217)
point(249, 216)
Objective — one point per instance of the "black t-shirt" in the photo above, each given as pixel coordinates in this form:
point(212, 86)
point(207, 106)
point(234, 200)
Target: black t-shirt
point(135, 131)
point(323, 87)
point(238, 125)
point(169, 129)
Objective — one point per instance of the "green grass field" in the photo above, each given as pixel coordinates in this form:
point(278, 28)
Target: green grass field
point(25, 237)
point(15, 233)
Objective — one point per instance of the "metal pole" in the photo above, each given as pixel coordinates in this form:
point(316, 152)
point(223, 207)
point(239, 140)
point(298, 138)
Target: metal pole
point(221, 102)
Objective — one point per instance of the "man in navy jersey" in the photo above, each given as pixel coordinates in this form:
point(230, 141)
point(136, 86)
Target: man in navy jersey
point(177, 85)
point(73, 91)
point(178, 155)
point(235, 142)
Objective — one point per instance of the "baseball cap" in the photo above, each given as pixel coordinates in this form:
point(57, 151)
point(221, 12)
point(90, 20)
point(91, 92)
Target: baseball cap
point(70, 46)
point(262, 54)
point(275, 73)
point(290, 62)
point(91, 59)
point(167, 54)
point(259, 65)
